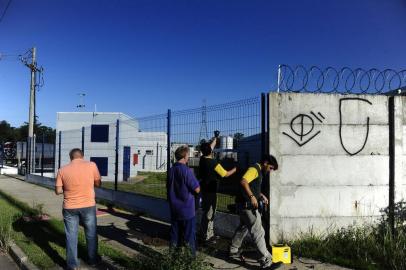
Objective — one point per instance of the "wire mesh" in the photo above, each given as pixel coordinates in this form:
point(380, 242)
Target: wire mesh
point(135, 152)
point(239, 143)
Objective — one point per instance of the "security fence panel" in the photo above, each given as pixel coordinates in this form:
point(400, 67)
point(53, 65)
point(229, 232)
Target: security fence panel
point(238, 144)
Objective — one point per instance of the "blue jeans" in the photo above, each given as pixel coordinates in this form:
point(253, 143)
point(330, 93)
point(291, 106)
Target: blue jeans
point(87, 217)
point(183, 232)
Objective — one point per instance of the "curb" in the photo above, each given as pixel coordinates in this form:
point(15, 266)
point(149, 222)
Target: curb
point(109, 264)
point(20, 258)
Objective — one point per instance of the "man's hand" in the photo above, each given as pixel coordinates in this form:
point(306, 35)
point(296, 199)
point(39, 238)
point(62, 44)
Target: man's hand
point(254, 202)
point(265, 199)
point(58, 190)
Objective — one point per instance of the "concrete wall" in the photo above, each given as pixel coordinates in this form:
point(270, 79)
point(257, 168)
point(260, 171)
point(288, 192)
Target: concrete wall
point(334, 160)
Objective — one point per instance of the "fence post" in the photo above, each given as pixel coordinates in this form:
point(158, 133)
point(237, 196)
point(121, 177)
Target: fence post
point(263, 124)
point(54, 154)
point(265, 150)
point(27, 157)
point(83, 140)
point(59, 149)
point(391, 105)
point(116, 163)
point(42, 154)
point(168, 143)
point(20, 166)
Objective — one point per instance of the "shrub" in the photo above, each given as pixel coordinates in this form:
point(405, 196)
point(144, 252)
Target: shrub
point(175, 259)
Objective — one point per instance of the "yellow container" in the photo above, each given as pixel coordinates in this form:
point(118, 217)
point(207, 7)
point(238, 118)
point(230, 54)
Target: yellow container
point(281, 253)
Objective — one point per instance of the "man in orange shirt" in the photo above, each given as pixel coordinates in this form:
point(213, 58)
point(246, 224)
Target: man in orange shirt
point(76, 181)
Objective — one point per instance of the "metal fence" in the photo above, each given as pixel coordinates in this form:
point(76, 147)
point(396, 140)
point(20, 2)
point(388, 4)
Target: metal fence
point(134, 154)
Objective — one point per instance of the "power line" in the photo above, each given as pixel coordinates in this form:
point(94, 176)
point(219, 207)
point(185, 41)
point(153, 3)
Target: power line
point(5, 11)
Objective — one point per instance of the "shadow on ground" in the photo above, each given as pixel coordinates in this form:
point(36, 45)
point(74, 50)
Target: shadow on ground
point(156, 234)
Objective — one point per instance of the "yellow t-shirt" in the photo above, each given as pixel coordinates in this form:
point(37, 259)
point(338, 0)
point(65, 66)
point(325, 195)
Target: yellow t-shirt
point(251, 174)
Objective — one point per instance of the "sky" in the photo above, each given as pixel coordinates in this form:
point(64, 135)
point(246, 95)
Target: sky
point(144, 57)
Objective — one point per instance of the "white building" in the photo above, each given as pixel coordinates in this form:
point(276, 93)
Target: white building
point(137, 151)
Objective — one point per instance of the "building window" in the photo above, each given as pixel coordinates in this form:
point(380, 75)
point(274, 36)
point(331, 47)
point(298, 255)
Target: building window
point(99, 133)
point(102, 164)
point(149, 152)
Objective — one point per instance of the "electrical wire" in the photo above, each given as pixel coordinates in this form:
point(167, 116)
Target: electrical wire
point(5, 10)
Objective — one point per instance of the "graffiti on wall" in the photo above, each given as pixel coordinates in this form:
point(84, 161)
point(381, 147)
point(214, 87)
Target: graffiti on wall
point(365, 139)
point(303, 127)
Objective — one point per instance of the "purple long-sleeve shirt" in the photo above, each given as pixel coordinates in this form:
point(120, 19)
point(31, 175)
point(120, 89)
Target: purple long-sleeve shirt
point(181, 185)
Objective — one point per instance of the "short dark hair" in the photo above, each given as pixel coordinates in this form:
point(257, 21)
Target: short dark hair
point(181, 152)
point(205, 148)
point(74, 151)
point(271, 160)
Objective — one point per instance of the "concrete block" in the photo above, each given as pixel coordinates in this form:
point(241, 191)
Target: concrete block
point(307, 170)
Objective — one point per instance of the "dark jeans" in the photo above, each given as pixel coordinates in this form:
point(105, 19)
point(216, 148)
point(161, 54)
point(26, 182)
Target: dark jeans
point(71, 218)
point(209, 205)
point(183, 232)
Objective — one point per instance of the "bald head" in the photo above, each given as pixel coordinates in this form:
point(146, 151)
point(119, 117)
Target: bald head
point(75, 153)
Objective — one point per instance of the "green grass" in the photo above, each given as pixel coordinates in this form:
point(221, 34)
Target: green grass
point(44, 242)
point(367, 247)
point(154, 185)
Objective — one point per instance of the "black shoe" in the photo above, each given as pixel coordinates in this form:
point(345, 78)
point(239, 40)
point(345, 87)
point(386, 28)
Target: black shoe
point(275, 265)
point(236, 256)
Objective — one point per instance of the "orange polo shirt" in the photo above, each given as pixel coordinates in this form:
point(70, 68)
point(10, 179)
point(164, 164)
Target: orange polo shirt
point(77, 179)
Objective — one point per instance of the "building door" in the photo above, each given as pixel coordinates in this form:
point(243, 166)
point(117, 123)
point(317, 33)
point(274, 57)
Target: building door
point(126, 162)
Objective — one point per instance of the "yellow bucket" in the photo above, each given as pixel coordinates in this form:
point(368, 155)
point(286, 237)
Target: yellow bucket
point(281, 253)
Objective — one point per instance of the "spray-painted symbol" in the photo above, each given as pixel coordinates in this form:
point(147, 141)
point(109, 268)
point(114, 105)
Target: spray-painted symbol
point(302, 126)
point(348, 101)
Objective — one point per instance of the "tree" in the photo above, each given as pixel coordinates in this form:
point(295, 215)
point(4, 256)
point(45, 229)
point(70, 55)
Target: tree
point(9, 133)
point(6, 131)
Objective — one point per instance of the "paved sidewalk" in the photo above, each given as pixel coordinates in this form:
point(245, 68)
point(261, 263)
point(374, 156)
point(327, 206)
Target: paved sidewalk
point(134, 234)
point(6, 262)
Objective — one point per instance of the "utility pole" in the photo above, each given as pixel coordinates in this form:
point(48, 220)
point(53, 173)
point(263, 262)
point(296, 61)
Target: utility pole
point(31, 118)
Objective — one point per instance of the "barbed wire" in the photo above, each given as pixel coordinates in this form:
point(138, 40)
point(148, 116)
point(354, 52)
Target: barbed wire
point(339, 80)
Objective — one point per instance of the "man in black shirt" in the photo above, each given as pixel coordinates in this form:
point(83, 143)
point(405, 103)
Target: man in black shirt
point(250, 218)
point(209, 171)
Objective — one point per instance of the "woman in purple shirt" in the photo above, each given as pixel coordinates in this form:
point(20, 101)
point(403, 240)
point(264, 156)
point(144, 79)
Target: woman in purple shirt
point(182, 185)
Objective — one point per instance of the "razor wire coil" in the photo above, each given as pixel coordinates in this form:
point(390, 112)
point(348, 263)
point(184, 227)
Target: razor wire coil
point(339, 80)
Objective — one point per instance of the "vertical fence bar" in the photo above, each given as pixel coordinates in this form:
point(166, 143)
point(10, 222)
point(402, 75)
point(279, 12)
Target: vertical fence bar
point(391, 105)
point(54, 154)
point(116, 157)
point(263, 124)
point(42, 154)
point(264, 150)
point(83, 140)
point(27, 157)
point(20, 166)
point(34, 153)
point(59, 149)
point(168, 143)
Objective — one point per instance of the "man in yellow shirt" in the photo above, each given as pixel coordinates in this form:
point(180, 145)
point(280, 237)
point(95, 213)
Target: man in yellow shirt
point(250, 218)
point(209, 172)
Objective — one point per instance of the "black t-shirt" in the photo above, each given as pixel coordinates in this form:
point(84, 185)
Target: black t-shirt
point(207, 174)
point(255, 186)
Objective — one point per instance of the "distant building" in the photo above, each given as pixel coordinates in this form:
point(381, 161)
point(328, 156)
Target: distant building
point(137, 150)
